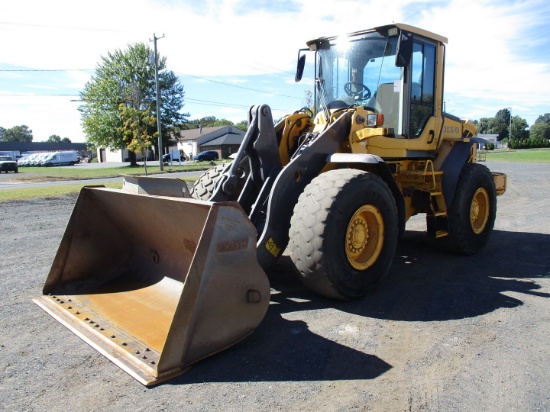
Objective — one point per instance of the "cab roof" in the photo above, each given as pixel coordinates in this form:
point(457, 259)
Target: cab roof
point(384, 29)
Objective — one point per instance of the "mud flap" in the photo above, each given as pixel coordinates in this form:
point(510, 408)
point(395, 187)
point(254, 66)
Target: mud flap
point(156, 283)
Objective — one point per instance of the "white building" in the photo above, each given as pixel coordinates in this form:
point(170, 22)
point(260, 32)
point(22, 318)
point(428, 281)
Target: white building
point(490, 138)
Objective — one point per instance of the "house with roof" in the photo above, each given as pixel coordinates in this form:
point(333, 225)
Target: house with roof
point(489, 139)
point(225, 140)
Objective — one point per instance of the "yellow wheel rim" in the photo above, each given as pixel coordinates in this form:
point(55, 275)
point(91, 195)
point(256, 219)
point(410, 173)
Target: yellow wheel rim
point(479, 210)
point(364, 237)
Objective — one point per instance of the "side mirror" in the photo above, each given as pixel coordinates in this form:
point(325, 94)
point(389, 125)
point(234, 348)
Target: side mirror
point(300, 67)
point(404, 49)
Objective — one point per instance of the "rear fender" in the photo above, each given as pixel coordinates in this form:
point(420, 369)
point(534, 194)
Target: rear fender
point(452, 166)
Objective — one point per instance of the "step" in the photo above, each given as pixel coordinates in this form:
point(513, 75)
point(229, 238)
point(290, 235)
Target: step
point(420, 173)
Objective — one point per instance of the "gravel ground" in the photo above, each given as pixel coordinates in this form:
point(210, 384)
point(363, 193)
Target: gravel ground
point(441, 333)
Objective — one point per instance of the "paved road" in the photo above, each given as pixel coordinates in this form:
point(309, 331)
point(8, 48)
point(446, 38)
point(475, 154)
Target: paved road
point(441, 333)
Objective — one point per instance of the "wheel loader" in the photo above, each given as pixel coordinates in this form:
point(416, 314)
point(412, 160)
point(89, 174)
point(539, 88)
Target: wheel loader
point(333, 186)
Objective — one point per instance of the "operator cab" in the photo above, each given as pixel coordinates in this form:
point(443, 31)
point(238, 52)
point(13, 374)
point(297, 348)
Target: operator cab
point(389, 70)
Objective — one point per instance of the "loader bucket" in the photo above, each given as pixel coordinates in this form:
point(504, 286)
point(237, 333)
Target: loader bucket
point(156, 283)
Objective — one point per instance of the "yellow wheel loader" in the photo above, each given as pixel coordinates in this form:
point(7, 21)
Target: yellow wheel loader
point(334, 187)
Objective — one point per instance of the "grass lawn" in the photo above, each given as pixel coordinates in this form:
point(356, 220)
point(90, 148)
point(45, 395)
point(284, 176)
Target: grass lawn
point(77, 173)
point(44, 174)
point(524, 155)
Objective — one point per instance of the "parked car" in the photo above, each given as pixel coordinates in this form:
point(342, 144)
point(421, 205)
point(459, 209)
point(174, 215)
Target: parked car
point(60, 159)
point(7, 164)
point(166, 158)
point(23, 160)
point(37, 160)
point(206, 156)
point(27, 159)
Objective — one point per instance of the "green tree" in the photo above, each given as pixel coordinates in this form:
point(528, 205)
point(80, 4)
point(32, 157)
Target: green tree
point(484, 125)
point(541, 128)
point(209, 121)
point(128, 77)
point(202, 122)
point(308, 97)
point(543, 118)
point(54, 139)
point(2, 131)
point(18, 134)
point(501, 124)
point(242, 125)
point(223, 122)
point(135, 128)
point(66, 140)
point(519, 128)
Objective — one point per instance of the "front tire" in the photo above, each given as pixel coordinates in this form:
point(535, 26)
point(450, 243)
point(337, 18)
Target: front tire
point(344, 233)
point(472, 214)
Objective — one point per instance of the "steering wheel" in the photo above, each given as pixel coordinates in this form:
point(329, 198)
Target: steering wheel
point(362, 92)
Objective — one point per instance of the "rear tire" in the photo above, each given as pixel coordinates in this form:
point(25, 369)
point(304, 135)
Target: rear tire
point(471, 216)
point(203, 189)
point(344, 233)
point(204, 186)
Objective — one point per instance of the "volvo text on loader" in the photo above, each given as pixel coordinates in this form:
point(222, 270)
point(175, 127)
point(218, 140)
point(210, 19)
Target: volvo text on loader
point(334, 186)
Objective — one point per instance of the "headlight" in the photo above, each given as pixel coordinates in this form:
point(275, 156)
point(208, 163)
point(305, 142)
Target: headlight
point(375, 120)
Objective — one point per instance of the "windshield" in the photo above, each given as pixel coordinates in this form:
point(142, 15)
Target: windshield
point(361, 71)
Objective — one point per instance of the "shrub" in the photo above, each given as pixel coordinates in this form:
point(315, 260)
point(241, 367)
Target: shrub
point(529, 143)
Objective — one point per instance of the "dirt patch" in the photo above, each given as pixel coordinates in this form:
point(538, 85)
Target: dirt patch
point(442, 332)
point(39, 179)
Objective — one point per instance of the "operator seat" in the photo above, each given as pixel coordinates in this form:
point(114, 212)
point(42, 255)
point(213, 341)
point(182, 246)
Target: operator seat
point(386, 101)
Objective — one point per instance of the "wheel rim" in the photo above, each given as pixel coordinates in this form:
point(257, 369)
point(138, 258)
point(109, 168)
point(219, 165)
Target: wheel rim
point(364, 237)
point(479, 210)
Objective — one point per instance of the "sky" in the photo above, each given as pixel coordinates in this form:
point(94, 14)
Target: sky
point(232, 54)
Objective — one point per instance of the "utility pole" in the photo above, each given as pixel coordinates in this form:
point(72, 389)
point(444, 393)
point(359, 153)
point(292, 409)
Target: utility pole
point(510, 137)
point(155, 38)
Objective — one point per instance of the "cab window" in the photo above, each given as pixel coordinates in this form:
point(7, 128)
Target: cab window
point(422, 86)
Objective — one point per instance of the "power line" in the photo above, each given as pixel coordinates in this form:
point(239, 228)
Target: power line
point(240, 87)
point(454, 102)
point(49, 26)
point(186, 100)
point(213, 103)
point(45, 70)
point(180, 74)
point(229, 105)
point(36, 95)
point(271, 70)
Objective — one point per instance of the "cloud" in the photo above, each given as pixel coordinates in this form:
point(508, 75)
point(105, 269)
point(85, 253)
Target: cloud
point(50, 115)
point(245, 7)
point(495, 55)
